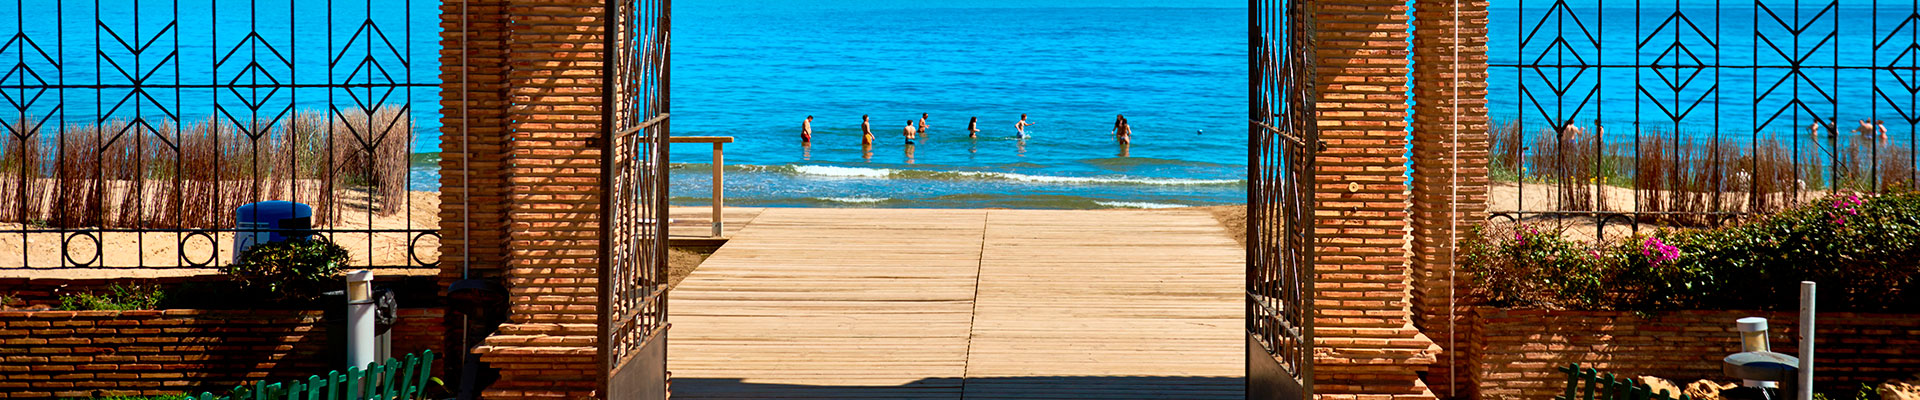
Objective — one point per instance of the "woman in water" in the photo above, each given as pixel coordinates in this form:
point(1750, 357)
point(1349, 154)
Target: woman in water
point(973, 127)
point(866, 131)
point(1121, 131)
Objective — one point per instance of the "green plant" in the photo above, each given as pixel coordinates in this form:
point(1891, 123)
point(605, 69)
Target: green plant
point(1863, 250)
point(117, 297)
point(6, 300)
point(294, 270)
point(1522, 266)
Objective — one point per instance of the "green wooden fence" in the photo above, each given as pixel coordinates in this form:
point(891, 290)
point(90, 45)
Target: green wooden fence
point(392, 380)
point(1591, 384)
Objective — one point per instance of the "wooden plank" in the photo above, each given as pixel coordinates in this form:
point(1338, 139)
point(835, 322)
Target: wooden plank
point(945, 304)
point(1102, 304)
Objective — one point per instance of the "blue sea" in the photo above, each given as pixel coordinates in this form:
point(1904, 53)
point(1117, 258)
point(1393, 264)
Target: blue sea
point(754, 69)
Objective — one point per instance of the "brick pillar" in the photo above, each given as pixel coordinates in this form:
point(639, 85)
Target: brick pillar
point(473, 160)
point(547, 348)
point(1450, 150)
point(484, 156)
point(1367, 344)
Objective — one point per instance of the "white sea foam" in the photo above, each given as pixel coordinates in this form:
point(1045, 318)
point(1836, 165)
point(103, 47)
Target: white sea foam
point(832, 171)
point(843, 172)
point(863, 200)
point(1136, 204)
point(1109, 180)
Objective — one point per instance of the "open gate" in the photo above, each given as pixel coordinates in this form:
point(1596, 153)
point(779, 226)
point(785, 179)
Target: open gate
point(1282, 141)
point(633, 274)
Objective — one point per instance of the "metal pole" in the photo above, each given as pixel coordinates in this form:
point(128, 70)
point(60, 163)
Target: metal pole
point(1805, 386)
point(359, 318)
point(719, 162)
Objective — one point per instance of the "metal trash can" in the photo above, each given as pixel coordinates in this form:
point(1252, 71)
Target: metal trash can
point(287, 220)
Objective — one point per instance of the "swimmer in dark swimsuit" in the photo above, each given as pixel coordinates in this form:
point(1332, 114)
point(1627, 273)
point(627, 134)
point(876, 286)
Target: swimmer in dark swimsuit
point(909, 132)
point(973, 127)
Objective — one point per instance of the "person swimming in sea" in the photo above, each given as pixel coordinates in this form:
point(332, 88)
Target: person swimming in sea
point(806, 131)
point(923, 123)
point(973, 127)
point(1020, 128)
point(909, 131)
point(866, 131)
point(1121, 131)
point(1867, 131)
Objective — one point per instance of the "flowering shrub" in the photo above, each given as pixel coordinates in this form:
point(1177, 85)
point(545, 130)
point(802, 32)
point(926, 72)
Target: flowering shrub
point(1863, 250)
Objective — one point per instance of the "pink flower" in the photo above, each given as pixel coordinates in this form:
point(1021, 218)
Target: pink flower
point(1658, 251)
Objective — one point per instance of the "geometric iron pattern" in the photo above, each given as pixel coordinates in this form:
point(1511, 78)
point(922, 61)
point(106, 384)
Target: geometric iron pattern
point(632, 281)
point(1801, 74)
point(1283, 138)
point(137, 125)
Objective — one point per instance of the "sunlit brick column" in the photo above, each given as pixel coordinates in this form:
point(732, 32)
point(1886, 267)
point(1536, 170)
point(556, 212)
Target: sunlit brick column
point(1367, 345)
point(473, 138)
point(546, 350)
point(473, 155)
point(1450, 146)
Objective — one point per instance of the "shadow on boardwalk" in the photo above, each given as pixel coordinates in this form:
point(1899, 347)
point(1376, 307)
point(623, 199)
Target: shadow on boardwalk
point(1037, 387)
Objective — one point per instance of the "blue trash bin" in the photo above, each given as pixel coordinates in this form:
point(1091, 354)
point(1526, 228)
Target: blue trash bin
point(289, 220)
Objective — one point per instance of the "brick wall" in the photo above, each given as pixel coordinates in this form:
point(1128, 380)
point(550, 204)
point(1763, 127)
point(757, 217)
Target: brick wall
point(44, 293)
point(1367, 342)
point(1515, 351)
point(88, 353)
point(1450, 149)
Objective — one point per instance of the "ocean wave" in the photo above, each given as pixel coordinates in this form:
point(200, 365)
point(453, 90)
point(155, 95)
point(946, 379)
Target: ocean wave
point(831, 171)
point(1135, 204)
point(855, 200)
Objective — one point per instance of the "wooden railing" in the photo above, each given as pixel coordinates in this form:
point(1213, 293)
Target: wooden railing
point(719, 174)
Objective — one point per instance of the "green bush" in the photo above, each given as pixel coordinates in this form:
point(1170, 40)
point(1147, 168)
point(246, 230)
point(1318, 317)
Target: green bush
point(1861, 249)
point(296, 270)
point(117, 297)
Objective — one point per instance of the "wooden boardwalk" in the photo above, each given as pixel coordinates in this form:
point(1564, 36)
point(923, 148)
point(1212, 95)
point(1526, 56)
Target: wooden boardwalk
point(951, 304)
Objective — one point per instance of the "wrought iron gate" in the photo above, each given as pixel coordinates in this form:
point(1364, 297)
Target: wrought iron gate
point(133, 130)
point(1282, 141)
point(632, 280)
point(1696, 113)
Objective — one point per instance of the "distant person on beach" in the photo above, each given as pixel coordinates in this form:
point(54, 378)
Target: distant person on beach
point(1121, 131)
point(806, 131)
point(909, 131)
point(973, 127)
point(1020, 128)
point(866, 132)
point(923, 123)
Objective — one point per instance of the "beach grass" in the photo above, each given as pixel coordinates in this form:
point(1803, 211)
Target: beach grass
point(132, 175)
point(1677, 178)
